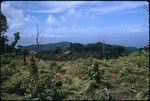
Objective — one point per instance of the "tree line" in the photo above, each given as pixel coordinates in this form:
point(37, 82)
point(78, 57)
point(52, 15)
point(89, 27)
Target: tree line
point(97, 50)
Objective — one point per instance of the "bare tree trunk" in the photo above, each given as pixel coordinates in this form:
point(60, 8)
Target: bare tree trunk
point(38, 33)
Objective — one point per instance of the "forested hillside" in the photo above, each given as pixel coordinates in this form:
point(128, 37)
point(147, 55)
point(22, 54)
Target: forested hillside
point(77, 46)
point(71, 51)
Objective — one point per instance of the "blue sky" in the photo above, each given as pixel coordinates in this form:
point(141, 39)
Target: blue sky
point(115, 22)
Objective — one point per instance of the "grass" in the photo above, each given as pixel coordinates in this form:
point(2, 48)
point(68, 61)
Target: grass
point(126, 78)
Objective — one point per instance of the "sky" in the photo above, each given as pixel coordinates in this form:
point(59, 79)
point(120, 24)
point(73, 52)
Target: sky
point(114, 22)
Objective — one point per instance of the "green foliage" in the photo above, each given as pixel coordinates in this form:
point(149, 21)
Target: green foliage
point(77, 50)
point(25, 53)
point(16, 84)
point(11, 96)
point(3, 30)
point(124, 78)
point(58, 50)
point(129, 78)
point(3, 24)
point(5, 48)
point(8, 71)
point(33, 86)
point(17, 37)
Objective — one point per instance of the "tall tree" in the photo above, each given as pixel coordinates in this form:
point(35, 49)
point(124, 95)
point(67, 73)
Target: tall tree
point(3, 24)
point(3, 30)
point(17, 37)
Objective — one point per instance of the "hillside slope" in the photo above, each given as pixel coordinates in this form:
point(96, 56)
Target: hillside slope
point(125, 78)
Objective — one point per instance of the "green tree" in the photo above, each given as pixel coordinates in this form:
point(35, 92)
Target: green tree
point(76, 47)
point(3, 24)
point(17, 37)
point(58, 50)
point(3, 30)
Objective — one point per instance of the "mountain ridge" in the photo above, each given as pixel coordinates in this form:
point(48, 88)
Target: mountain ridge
point(64, 44)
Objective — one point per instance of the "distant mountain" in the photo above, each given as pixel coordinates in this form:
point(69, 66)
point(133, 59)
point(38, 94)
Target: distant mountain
point(49, 47)
point(65, 44)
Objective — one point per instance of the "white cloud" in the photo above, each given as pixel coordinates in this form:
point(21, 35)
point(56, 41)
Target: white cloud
point(62, 19)
point(71, 12)
point(16, 18)
point(53, 10)
point(99, 7)
point(91, 11)
point(132, 28)
point(115, 7)
point(56, 36)
point(53, 22)
point(124, 28)
point(63, 4)
point(55, 6)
